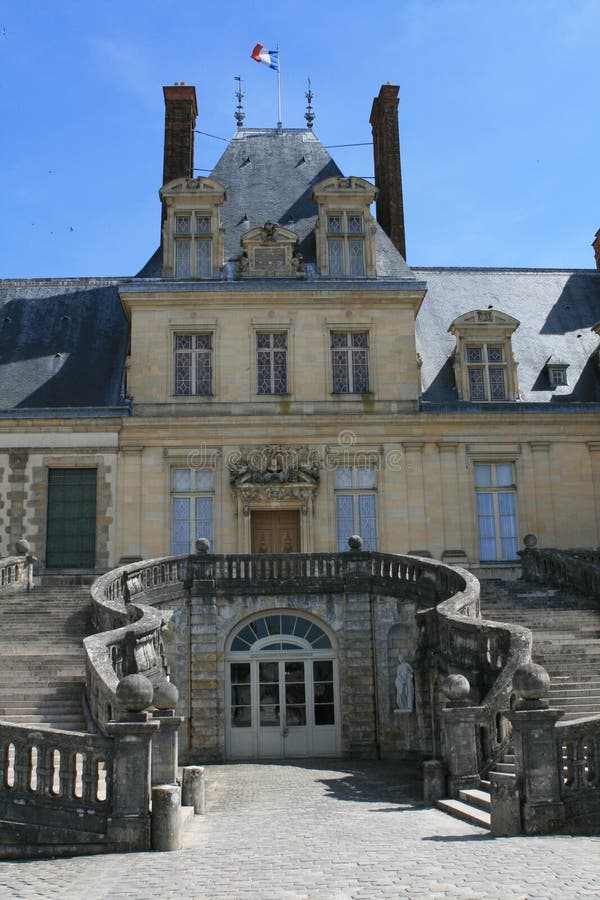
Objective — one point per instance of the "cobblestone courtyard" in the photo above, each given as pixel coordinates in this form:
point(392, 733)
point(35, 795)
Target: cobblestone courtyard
point(324, 831)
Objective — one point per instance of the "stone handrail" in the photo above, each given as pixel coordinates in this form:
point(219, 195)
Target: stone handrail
point(576, 569)
point(578, 752)
point(66, 775)
point(129, 641)
point(16, 573)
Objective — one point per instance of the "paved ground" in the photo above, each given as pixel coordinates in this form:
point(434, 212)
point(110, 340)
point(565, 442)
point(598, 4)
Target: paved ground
point(330, 831)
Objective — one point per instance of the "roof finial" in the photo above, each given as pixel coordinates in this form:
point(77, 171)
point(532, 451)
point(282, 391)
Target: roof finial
point(239, 114)
point(309, 114)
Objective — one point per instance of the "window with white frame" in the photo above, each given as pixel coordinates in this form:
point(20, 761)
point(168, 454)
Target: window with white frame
point(496, 497)
point(350, 362)
point(486, 371)
point(192, 508)
point(193, 246)
point(271, 362)
point(193, 364)
point(557, 375)
point(346, 244)
point(355, 506)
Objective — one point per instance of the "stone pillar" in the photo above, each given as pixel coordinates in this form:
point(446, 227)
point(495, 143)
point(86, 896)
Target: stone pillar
point(193, 791)
point(17, 464)
point(505, 805)
point(132, 736)
point(165, 747)
point(544, 504)
point(536, 751)
point(434, 780)
point(460, 735)
point(130, 505)
point(451, 510)
point(415, 492)
point(166, 817)
point(594, 451)
point(206, 725)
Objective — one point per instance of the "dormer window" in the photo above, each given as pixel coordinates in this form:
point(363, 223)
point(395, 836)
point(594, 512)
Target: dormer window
point(345, 230)
point(192, 236)
point(193, 246)
point(557, 372)
point(345, 244)
point(484, 367)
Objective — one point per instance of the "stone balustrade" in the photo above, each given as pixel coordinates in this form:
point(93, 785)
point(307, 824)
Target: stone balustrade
point(576, 569)
point(16, 573)
point(578, 753)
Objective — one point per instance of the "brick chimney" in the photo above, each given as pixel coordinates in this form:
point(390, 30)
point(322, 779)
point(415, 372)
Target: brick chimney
point(388, 176)
point(596, 247)
point(180, 119)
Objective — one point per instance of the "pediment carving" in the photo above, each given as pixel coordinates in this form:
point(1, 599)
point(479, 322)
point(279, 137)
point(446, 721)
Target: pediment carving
point(270, 251)
point(274, 464)
point(194, 186)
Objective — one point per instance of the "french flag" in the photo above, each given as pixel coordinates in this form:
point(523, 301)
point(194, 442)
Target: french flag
point(270, 58)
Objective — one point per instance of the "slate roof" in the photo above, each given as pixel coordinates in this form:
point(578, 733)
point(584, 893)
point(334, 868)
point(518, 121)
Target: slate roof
point(63, 343)
point(556, 310)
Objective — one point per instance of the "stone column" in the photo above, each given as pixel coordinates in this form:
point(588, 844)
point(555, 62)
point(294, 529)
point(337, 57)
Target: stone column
point(542, 479)
point(17, 464)
point(594, 450)
point(415, 492)
point(132, 736)
point(206, 731)
point(460, 735)
point(536, 751)
point(451, 510)
point(130, 505)
point(165, 747)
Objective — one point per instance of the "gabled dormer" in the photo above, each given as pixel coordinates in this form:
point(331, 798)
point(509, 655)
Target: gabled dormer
point(345, 229)
point(192, 236)
point(484, 366)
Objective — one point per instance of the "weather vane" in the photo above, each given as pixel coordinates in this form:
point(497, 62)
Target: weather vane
point(240, 115)
point(309, 114)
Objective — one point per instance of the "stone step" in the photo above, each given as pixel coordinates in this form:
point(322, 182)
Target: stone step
point(476, 797)
point(506, 767)
point(465, 812)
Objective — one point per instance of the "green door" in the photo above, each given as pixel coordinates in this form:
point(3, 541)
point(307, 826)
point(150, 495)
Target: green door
point(71, 524)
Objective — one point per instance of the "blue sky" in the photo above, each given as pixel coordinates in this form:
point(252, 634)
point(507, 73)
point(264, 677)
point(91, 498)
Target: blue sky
point(499, 121)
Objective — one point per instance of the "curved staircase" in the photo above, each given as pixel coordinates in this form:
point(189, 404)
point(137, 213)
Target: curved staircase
point(43, 660)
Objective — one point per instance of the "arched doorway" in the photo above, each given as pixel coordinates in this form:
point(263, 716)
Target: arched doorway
point(281, 688)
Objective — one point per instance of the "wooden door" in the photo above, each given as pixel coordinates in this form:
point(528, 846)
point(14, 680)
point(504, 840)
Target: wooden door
point(276, 531)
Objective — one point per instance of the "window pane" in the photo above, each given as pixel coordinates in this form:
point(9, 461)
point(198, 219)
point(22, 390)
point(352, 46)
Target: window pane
point(279, 372)
point(183, 373)
point(339, 366)
point(357, 257)
point(203, 225)
point(182, 224)
point(476, 384)
point(504, 474)
point(334, 224)
point(324, 714)
point(240, 673)
point(241, 716)
point(508, 524)
point(180, 479)
point(323, 670)
point(342, 478)
point(367, 522)
point(365, 478)
point(497, 383)
point(204, 479)
point(487, 526)
point(204, 518)
point(483, 475)
point(203, 259)
point(355, 224)
point(360, 371)
point(182, 259)
point(183, 341)
point(495, 354)
point(344, 520)
point(263, 372)
point(181, 525)
point(336, 257)
point(474, 354)
point(339, 338)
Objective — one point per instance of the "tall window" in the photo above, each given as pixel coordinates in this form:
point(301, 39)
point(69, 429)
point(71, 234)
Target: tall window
point(193, 364)
point(350, 362)
point(192, 507)
point(346, 244)
point(193, 246)
point(355, 506)
point(271, 363)
point(496, 510)
point(486, 368)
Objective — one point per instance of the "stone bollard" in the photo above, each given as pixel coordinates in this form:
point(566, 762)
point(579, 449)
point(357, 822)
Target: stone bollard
point(193, 791)
point(166, 817)
point(434, 780)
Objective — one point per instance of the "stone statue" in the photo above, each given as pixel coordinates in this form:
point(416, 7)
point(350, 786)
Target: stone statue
point(405, 686)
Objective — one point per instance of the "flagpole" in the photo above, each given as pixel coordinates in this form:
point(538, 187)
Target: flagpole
point(279, 126)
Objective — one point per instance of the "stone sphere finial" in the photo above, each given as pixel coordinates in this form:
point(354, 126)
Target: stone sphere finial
point(202, 545)
point(531, 682)
point(135, 693)
point(355, 542)
point(165, 696)
point(456, 687)
point(530, 541)
point(23, 547)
